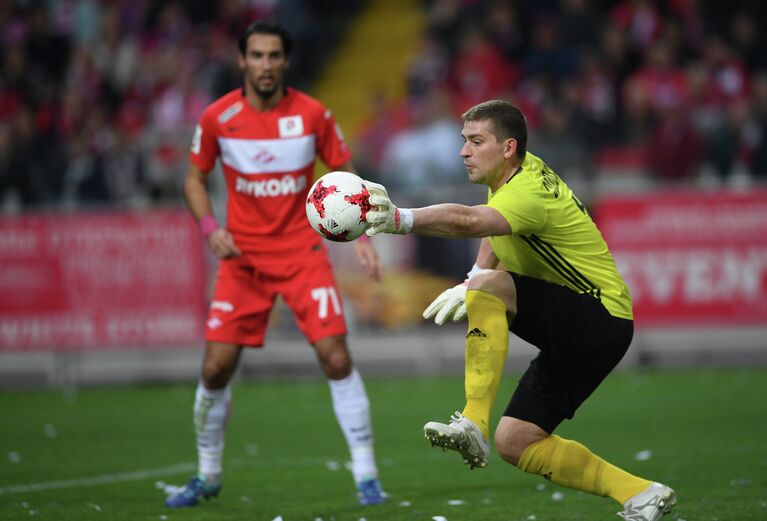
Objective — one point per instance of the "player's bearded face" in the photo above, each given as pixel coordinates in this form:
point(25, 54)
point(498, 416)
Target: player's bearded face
point(264, 64)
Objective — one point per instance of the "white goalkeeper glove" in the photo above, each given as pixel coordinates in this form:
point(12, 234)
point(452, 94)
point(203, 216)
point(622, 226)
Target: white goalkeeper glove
point(386, 217)
point(451, 302)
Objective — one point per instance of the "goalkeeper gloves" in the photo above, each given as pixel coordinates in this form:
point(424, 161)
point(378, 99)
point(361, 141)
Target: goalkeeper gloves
point(386, 217)
point(451, 302)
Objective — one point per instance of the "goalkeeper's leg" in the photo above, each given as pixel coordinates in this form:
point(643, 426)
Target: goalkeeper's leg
point(580, 342)
point(562, 461)
point(490, 305)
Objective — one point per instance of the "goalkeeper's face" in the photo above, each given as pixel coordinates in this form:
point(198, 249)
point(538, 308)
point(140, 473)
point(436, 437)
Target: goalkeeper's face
point(264, 64)
point(486, 159)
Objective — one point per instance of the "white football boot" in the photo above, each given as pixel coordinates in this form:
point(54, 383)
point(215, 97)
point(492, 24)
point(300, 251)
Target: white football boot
point(654, 502)
point(461, 435)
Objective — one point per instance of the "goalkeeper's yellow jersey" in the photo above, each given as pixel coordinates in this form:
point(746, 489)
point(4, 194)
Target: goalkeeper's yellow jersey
point(554, 239)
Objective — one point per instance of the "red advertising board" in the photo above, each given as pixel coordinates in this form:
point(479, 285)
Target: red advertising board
point(691, 258)
point(100, 280)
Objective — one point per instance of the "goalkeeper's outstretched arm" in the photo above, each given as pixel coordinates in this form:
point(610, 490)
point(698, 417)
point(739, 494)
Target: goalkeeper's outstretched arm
point(452, 220)
point(447, 220)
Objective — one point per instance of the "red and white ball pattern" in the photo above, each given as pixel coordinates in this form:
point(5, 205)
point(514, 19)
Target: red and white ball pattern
point(337, 206)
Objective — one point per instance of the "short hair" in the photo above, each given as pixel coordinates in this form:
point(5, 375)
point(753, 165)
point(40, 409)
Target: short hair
point(506, 119)
point(266, 27)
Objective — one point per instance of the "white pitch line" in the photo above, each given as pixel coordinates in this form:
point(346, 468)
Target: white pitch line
point(99, 480)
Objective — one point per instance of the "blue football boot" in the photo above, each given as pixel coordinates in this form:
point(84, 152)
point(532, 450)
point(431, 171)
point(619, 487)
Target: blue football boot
point(370, 492)
point(190, 495)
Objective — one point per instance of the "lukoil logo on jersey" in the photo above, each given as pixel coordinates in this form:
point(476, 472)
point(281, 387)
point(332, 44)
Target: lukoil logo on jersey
point(275, 187)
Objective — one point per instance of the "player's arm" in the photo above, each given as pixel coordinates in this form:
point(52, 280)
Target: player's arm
point(486, 258)
point(348, 167)
point(448, 220)
point(196, 195)
point(451, 220)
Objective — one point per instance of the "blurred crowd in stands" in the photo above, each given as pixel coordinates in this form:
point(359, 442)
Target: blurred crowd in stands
point(98, 98)
point(672, 89)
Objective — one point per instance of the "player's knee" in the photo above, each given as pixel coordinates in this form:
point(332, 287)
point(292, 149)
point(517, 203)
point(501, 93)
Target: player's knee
point(338, 367)
point(498, 283)
point(513, 436)
point(509, 448)
point(334, 357)
point(215, 374)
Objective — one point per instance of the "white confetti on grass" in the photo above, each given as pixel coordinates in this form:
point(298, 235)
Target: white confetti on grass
point(439, 518)
point(643, 455)
point(14, 457)
point(405, 503)
point(332, 465)
point(278, 518)
point(456, 502)
point(557, 496)
point(540, 487)
point(95, 507)
point(531, 518)
point(168, 488)
point(50, 430)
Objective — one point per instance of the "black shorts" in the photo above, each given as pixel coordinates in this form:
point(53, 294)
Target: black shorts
point(579, 342)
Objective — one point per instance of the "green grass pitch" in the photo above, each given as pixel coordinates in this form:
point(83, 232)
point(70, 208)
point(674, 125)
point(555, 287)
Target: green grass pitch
point(96, 454)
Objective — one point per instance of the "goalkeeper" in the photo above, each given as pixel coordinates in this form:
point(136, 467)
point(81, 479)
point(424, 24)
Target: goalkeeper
point(544, 273)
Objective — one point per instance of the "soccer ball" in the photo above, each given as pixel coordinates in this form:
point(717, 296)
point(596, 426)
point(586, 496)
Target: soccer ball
point(337, 206)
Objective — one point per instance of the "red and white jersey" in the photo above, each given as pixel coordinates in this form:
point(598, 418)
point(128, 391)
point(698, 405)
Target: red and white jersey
point(268, 161)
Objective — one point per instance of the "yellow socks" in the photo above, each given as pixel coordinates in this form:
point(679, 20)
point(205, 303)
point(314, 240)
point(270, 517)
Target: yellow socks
point(570, 464)
point(487, 344)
